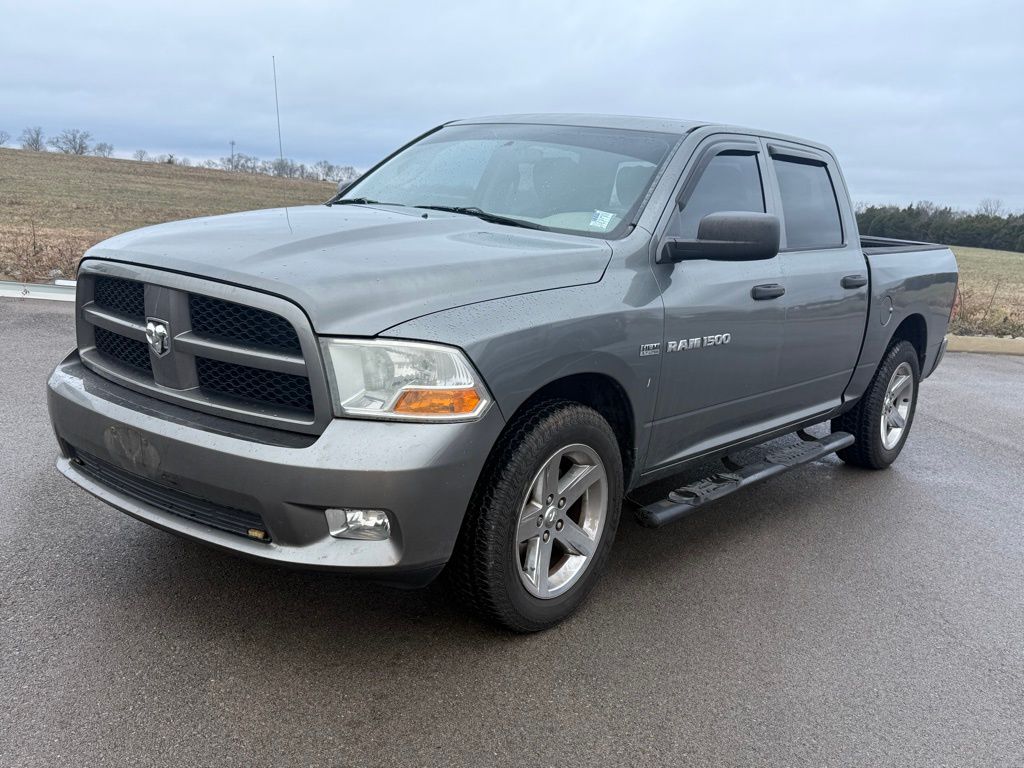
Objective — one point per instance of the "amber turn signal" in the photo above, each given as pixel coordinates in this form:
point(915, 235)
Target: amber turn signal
point(425, 402)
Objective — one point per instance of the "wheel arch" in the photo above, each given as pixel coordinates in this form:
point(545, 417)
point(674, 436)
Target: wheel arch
point(604, 394)
point(912, 328)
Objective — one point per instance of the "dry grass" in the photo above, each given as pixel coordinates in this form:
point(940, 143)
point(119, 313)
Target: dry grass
point(991, 292)
point(53, 207)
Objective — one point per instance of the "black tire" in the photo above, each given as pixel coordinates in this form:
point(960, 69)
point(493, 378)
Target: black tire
point(484, 569)
point(864, 420)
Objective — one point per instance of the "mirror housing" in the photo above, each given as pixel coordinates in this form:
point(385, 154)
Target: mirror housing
point(727, 236)
point(343, 187)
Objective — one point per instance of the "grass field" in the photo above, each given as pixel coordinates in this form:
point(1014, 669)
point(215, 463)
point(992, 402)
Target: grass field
point(991, 292)
point(53, 206)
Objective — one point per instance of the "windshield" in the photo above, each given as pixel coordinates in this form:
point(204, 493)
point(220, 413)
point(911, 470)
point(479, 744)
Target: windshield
point(568, 178)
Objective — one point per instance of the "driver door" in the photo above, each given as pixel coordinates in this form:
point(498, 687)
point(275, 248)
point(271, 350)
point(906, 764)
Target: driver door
point(723, 339)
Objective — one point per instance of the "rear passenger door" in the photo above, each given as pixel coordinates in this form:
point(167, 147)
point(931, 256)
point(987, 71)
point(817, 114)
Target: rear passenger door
point(825, 276)
point(721, 344)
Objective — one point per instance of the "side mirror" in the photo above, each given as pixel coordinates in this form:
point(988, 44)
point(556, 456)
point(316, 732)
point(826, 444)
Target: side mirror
point(727, 236)
point(343, 186)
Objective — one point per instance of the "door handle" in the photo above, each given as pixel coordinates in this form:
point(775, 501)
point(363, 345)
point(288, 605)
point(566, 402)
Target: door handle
point(767, 291)
point(854, 281)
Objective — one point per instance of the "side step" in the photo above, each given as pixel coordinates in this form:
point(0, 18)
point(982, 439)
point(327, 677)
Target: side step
point(688, 499)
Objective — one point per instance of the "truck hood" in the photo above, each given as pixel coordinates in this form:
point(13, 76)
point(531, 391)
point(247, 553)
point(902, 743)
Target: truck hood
point(358, 270)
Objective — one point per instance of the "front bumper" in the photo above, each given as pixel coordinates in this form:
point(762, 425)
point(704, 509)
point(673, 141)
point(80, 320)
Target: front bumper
point(423, 474)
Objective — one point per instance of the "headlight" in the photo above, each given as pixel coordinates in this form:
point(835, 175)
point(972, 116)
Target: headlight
point(404, 380)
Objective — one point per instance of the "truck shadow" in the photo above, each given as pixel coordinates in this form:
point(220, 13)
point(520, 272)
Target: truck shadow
point(323, 645)
point(216, 597)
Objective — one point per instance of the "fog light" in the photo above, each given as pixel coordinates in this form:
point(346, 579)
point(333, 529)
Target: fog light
point(362, 524)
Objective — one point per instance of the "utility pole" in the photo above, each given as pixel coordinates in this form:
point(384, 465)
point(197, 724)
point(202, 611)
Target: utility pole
point(277, 106)
point(232, 154)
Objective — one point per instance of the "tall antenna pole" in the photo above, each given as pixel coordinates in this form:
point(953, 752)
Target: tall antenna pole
point(277, 106)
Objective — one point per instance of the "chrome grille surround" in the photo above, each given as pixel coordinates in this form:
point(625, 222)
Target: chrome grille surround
point(175, 377)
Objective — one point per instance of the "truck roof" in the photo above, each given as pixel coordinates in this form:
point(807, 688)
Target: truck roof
point(629, 122)
point(625, 122)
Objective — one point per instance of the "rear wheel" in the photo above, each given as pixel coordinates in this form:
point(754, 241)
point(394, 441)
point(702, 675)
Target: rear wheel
point(881, 420)
point(543, 518)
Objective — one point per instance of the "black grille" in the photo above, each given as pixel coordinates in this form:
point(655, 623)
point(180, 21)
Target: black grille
point(174, 501)
point(119, 295)
point(227, 321)
point(255, 384)
point(113, 343)
point(134, 354)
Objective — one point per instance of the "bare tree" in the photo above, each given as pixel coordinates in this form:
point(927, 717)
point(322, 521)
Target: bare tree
point(241, 162)
point(71, 141)
point(991, 207)
point(323, 170)
point(141, 155)
point(345, 173)
point(103, 149)
point(286, 167)
point(32, 138)
point(4, 137)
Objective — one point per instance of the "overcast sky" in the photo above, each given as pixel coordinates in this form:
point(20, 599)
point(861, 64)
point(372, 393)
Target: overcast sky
point(921, 100)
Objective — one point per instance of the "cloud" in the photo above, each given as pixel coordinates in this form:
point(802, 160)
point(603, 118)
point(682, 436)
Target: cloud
point(920, 100)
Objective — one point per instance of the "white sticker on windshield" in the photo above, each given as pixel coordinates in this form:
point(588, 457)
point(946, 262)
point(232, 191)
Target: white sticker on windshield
point(601, 219)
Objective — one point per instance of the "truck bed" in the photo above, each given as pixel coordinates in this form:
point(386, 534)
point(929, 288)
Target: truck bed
point(879, 245)
point(921, 286)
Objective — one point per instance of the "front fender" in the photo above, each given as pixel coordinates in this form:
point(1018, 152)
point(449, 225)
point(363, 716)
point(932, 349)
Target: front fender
point(522, 343)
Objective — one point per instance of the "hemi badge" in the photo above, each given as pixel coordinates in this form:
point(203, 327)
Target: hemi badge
point(647, 350)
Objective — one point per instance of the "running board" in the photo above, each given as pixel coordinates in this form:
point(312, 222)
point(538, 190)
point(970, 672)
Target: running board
point(689, 498)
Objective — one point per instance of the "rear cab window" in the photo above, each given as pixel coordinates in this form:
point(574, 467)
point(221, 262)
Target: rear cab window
point(810, 209)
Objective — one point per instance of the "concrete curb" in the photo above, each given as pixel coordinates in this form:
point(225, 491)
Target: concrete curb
point(63, 290)
point(990, 345)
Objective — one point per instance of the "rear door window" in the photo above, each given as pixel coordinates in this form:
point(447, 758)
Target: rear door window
point(809, 204)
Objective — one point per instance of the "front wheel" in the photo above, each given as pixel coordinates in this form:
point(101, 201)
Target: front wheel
point(543, 518)
point(881, 420)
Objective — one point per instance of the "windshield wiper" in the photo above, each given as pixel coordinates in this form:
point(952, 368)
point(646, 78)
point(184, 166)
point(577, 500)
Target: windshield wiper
point(494, 218)
point(350, 201)
point(357, 201)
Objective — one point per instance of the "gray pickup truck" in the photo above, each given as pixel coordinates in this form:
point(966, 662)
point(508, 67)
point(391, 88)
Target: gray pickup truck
point(467, 357)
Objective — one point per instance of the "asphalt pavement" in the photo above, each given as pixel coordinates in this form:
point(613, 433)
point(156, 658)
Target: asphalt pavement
point(830, 616)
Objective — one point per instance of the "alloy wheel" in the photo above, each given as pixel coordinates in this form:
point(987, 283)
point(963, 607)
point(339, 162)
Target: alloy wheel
point(561, 521)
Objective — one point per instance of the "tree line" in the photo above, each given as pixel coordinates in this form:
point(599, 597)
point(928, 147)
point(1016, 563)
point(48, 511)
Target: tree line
point(987, 227)
point(70, 141)
point(322, 170)
point(74, 141)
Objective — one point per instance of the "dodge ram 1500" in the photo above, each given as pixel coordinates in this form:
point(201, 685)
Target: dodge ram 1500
point(466, 358)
